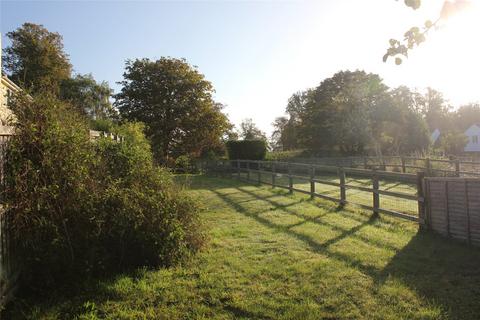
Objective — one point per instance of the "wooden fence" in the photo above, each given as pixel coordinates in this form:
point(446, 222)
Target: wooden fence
point(8, 267)
point(431, 167)
point(317, 175)
point(454, 207)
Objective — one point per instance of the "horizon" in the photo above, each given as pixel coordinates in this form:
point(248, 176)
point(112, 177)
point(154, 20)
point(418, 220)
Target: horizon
point(245, 48)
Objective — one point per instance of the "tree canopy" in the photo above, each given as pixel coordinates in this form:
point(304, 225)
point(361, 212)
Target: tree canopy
point(88, 96)
point(175, 102)
point(35, 59)
point(250, 131)
point(353, 112)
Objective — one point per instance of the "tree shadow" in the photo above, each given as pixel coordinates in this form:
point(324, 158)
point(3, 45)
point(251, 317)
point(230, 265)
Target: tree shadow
point(443, 271)
point(314, 246)
point(367, 220)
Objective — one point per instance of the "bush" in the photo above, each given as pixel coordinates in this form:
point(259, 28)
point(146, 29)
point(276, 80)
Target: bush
point(83, 208)
point(185, 164)
point(247, 149)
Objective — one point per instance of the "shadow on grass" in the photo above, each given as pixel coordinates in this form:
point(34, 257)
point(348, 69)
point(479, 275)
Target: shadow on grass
point(322, 248)
point(442, 271)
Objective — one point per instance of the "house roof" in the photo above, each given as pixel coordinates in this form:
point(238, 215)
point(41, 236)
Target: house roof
point(9, 84)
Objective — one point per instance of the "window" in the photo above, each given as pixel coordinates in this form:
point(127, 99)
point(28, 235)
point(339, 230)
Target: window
point(475, 139)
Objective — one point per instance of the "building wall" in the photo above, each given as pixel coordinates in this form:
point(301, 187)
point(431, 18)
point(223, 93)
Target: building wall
point(7, 88)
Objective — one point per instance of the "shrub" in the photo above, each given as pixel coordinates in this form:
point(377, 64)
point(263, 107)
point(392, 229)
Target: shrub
point(81, 208)
point(247, 149)
point(185, 164)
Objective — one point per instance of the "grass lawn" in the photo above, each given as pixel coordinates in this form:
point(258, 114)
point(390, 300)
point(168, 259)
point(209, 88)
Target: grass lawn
point(356, 196)
point(276, 256)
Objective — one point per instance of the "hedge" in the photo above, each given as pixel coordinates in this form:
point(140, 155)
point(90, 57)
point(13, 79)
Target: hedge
point(247, 149)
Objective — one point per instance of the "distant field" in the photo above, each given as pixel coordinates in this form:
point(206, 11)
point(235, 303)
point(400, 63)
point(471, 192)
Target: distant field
point(271, 255)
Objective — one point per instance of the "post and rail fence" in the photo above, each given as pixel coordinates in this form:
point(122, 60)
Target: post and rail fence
point(308, 178)
point(449, 206)
point(402, 164)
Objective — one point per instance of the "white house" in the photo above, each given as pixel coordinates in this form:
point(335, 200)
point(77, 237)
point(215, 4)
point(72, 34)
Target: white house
point(473, 134)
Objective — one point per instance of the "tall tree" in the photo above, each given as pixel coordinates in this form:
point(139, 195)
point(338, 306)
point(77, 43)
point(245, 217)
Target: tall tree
point(404, 129)
point(328, 122)
point(435, 109)
point(88, 96)
point(250, 131)
point(35, 59)
point(467, 115)
point(175, 102)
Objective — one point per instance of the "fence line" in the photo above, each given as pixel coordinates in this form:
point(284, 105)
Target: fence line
point(308, 173)
point(8, 266)
point(431, 167)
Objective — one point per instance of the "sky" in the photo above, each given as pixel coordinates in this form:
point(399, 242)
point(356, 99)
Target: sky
point(258, 53)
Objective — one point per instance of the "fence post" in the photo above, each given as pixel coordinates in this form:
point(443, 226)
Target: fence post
point(290, 180)
point(248, 170)
point(312, 183)
point(273, 174)
point(238, 169)
point(421, 199)
point(376, 195)
point(343, 193)
point(404, 169)
point(457, 168)
point(428, 167)
point(365, 163)
point(259, 174)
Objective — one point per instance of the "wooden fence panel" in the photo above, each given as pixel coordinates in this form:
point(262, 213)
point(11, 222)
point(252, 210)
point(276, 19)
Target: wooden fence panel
point(457, 210)
point(437, 207)
point(454, 207)
point(473, 194)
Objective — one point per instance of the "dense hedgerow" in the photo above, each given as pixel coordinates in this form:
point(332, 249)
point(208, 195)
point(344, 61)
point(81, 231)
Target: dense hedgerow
point(247, 149)
point(84, 208)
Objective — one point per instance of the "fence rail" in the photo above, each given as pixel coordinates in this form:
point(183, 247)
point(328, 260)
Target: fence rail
point(311, 179)
point(431, 167)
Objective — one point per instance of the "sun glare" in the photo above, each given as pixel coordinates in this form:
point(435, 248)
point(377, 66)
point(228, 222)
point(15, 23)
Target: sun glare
point(451, 55)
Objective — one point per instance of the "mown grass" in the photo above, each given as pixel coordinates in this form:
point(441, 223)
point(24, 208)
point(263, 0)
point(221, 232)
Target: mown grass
point(276, 256)
point(353, 195)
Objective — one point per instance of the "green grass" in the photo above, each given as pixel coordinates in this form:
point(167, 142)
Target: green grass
point(275, 256)
point(353, 195)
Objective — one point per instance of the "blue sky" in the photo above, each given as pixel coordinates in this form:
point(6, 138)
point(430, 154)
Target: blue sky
point(256, 54)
